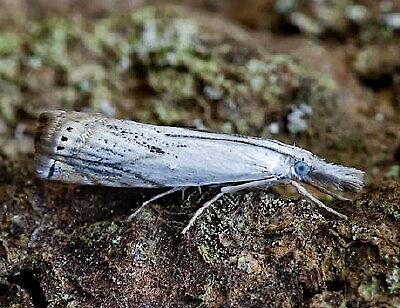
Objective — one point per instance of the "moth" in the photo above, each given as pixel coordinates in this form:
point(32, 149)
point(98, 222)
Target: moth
point(91, 149)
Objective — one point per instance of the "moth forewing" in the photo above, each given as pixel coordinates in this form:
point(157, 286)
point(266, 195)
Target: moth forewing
point(125, 153)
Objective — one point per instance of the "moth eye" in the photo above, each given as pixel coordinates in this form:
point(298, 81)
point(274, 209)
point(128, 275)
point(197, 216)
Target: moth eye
point(301, 168)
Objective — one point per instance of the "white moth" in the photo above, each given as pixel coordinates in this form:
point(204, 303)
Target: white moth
point(91, 149)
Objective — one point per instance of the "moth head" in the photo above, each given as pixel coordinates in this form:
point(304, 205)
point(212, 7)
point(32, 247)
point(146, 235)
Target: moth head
point(325, 175)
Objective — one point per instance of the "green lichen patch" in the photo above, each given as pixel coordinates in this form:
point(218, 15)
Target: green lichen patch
point(365, 20)
point(217, 76)
point(374, 62)
point(9, 43)
point(393, 280)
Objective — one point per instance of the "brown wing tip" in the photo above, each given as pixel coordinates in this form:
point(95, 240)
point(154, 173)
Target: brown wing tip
point(48, 124)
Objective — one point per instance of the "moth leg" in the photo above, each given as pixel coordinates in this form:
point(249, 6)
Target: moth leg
point(302, 191)
point(231, 189)
point(144, 204)
point(183, 192)
point(249, 185)
point(201, 210)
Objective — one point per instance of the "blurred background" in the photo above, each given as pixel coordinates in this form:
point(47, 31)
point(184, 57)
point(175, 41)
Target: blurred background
point(322, 74)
